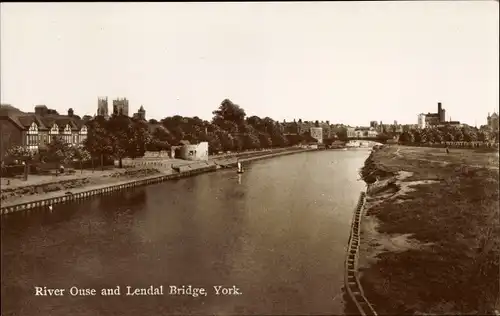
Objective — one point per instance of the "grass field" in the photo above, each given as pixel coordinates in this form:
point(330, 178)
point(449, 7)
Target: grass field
point(431, 239)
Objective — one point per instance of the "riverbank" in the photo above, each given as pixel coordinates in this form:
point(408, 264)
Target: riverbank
point(430, 239)
point(62, 189)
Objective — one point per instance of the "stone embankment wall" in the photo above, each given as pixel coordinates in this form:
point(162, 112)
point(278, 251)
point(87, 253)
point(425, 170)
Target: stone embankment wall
point(183, 171)
point(105, 189)
point(352, 284)
point(455, 144)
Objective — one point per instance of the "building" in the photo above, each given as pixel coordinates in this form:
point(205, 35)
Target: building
point(317, 133)
point(434, 119)
point(36, 129)
point(492, 121)
point(363, 132)
point(120, 107)
point(102, 107)
point(300, 127)
point(141, 114)
point(189, 151)
point(351, 132)
point(421, 121)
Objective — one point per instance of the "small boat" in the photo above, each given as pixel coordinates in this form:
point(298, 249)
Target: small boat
point(240, 168)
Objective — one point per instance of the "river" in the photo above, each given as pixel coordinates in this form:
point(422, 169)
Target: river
point(278, 233)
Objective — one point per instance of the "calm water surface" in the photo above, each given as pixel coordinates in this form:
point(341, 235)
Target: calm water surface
point(278, 232)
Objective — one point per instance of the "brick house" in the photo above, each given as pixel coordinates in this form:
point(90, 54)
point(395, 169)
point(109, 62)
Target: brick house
point(35, 129)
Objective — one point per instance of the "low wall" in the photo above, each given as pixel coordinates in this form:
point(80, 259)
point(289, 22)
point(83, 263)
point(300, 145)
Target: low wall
point(184, 171)
point(102, 191)
point(463, 145)
point(351, 279)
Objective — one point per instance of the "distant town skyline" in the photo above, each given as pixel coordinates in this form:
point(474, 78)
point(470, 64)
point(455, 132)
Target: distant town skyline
point(346, 62)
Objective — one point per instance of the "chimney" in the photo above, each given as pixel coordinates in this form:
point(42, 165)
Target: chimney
point(70, 112)
point(439, 107)
point(41, 110)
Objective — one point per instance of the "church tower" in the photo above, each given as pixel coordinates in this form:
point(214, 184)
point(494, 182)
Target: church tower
point(102, 107)
point(142, 113)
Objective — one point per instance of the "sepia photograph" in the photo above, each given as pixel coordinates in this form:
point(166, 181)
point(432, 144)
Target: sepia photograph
point(249, 158)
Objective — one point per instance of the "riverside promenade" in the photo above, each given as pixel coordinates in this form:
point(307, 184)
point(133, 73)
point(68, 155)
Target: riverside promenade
point(162, 171)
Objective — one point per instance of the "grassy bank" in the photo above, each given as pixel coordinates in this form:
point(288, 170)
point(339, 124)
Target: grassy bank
point(431, 235)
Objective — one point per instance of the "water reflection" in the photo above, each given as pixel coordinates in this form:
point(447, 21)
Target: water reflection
point(278, 232)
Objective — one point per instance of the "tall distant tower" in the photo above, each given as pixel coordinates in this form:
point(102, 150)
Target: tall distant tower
point(102, 107)
point(441, 113)
point(120, 107)
point(142, 113)
point(421, 121)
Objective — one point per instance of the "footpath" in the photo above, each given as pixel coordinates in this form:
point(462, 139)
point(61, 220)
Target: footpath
point(430, 237)
point(42, 191)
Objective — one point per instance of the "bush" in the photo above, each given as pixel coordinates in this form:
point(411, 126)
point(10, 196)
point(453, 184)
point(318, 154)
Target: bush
point(12, 170)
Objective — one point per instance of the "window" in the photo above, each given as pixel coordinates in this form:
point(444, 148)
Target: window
point(83, 130)
point(32, 140)
point(33, 128)
point(54, 129)
point(67, 129)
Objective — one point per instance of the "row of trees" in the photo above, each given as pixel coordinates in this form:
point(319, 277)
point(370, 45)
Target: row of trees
point(229, 130)
point(448, 134)
point(122, 136)
point(56, 152)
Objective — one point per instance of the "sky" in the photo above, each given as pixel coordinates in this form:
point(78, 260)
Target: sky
point(347, 62)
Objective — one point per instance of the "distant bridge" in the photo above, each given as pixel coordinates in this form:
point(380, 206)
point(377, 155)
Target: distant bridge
point(362, 142)
point(367, 139)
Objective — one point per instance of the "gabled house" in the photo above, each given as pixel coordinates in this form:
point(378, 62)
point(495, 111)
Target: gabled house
point(34, 130)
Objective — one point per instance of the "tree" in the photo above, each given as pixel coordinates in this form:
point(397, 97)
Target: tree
point(122, 135)
point(23, 154)
point(239, 143)
point(448, 136)
point(495, 136)
point(228, 111)
point(157, 145)
point(214, 145)
point(57, 151)
point(98, 141)
point(481, 136)
point(406, 137)
point(457, 134)
point(294, 139)
point(436, 136)
point(140, 138)
point(307, 138)
point(265, 140)
point(341, 133)
point(227, 141)
point(382, 137)
point(80, 154)
point(162, 134)
point(251, 141)
point(178, 134)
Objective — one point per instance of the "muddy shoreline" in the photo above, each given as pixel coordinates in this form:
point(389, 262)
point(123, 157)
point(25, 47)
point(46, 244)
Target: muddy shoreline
point(428, 243)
